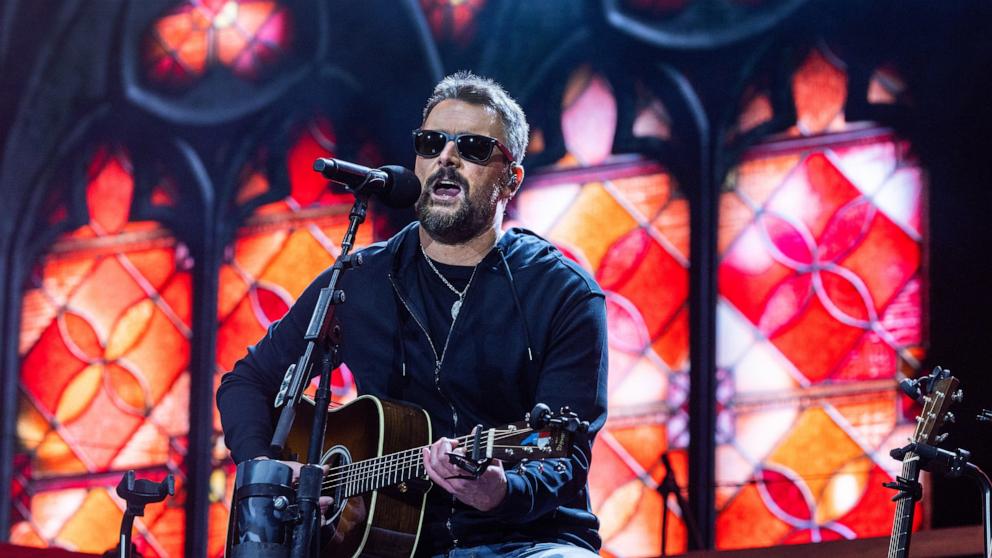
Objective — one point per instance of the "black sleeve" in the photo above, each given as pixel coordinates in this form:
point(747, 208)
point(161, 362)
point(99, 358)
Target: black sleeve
point(246, 394)
point(573, 375)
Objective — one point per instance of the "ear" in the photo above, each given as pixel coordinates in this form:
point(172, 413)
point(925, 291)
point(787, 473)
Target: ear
point(516, 177)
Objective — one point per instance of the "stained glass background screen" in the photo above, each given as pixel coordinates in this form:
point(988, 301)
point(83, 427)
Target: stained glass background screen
point(104, 384)
point(821, 311)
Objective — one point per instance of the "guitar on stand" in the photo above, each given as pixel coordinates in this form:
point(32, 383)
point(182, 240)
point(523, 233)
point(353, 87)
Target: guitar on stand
point(936, 392)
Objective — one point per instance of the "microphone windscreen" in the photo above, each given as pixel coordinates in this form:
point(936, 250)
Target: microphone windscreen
point(405, 187)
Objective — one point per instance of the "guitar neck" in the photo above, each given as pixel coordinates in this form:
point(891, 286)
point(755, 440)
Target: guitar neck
point(902, 523)
point(372, 474)
point(375, 473)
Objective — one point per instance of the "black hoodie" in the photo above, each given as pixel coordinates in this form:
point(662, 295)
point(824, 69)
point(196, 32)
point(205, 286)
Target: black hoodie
point(532, 329)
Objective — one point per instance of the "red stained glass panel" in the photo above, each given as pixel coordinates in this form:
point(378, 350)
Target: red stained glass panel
point(820, 277)
point(631, 232)
point(819, 88)
point(887, 86)
point(275, 255)
point(588, 119)
point(453, 20)
point(246, 36)
point(103, 381)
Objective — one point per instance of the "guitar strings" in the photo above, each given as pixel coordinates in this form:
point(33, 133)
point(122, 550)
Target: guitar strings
point(501, 435)
point(376, 473)
point(405, 457)
point(359, 473)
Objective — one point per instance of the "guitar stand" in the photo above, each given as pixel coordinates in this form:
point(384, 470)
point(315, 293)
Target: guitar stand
point(952, 464)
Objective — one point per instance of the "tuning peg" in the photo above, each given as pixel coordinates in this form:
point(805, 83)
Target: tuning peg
point(950, 418)
point(940, 438)
point(538, 418)
point(958, 396)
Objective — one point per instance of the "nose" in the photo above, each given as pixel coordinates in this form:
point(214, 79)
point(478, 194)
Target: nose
point(449, 156)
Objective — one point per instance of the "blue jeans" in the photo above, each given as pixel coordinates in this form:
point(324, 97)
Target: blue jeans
point(520, 550)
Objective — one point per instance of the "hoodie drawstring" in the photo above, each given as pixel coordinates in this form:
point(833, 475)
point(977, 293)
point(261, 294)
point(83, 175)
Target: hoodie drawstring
point(516, 302)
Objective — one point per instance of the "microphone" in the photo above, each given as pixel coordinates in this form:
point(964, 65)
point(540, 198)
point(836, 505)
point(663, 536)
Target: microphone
point(395, 185)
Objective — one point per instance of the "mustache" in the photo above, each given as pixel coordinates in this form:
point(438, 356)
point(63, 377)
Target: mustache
point(447, 173)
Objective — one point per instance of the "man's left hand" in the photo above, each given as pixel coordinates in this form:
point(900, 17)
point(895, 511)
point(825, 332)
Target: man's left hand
point(483, 493)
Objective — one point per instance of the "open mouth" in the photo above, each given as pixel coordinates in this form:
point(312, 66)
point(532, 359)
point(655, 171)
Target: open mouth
point(446, 189)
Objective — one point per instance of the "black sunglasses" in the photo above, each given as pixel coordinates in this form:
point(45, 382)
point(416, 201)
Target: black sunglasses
point(472, 147)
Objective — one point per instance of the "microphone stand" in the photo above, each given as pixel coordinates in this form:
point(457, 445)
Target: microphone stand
point(669, 486)
point(323, 338)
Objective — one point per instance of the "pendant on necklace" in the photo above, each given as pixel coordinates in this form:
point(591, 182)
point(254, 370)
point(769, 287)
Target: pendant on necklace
point(455, 308)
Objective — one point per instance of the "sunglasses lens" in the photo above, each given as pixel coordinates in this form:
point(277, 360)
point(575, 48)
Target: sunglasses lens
point(475, 148)
point(429, 144)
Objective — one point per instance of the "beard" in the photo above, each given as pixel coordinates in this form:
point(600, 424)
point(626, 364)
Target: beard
point(470, 218)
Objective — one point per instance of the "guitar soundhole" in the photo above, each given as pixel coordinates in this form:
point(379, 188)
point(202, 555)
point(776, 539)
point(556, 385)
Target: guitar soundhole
point(335, 458)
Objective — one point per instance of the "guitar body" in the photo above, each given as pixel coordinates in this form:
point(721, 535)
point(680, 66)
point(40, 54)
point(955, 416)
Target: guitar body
point(382, 523)
point(376, 475)
point(385, 522)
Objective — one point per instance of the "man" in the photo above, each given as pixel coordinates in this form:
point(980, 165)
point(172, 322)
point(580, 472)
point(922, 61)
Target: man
point(474, 325)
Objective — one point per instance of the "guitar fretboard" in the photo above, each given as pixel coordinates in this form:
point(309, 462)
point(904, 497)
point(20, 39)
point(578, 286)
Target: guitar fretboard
point(374, 473)
point(902, 523)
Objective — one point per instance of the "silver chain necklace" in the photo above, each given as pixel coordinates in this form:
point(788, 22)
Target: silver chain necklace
point(457, 306)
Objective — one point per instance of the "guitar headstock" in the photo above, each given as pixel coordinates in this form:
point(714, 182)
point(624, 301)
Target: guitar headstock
point(542, 435)
point(936, 392)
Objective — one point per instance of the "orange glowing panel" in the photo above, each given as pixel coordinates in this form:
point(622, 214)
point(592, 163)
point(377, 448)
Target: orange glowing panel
point(588, 118)
point(275, 255)
point(315, 139)
point(452, 20)
point(757, 111)
point(820, 313)
point(246, 36)
point(887, 86)
point(103, 377)
point(632, 233)
point(109, 203)
point(653, 120)
point(819, 88)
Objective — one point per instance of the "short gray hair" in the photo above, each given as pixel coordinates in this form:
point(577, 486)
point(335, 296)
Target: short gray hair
point(470, 88)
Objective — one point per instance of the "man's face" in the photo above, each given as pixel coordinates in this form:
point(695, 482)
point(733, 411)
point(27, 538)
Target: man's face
point(460, 199)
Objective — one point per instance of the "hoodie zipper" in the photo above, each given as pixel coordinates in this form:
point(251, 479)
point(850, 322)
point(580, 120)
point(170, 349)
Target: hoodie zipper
point(438, 361)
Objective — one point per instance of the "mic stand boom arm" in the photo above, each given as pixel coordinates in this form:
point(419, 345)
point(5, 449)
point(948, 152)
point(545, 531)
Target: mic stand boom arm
point(323, 338)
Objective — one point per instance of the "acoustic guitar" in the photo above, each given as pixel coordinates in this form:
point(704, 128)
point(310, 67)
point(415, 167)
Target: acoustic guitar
point(373, 449)
point(936, 392)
